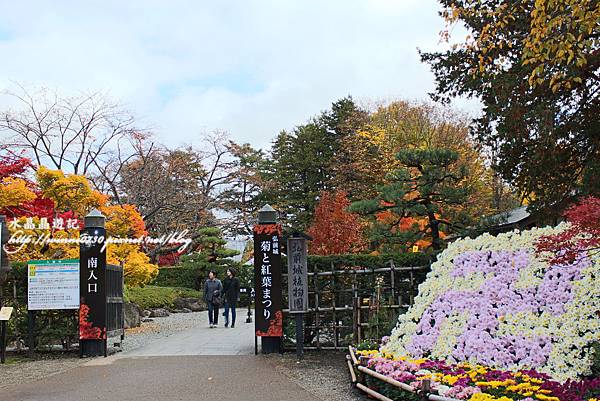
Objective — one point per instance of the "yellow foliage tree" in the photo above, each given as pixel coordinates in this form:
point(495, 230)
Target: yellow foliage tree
point(74, 193)
point(125, 221)
point(14, 192)
point(69, 192)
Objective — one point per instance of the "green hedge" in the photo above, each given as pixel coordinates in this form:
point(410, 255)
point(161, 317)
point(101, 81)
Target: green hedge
point(158, 297)
point(324, 263)
point(177, 277)
point(194, 277)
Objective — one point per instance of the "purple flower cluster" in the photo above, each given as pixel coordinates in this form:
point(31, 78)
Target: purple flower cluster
point(486, 306)
point(572, 390)
point(398, 370)
point(462, 392)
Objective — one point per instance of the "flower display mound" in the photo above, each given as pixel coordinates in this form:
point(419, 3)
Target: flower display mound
point(492, 301)
point(474, 382)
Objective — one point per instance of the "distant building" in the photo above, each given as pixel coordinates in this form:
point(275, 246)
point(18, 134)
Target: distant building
point(237, 244)
point(518, 218)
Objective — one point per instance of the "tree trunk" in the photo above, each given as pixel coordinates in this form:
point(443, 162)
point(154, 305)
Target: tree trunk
point(434, 224)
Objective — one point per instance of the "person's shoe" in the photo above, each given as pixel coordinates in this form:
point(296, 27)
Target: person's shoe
point(232, 325)
point(226, 325)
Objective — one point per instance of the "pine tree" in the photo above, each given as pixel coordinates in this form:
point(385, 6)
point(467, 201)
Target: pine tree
point(426, 185)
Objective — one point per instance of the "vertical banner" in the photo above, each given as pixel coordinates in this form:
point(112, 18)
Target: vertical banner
point(92, 284)
point(267, 280)
point(297, 275)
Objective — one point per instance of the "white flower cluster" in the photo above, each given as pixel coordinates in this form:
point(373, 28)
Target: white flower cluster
point(570, 322)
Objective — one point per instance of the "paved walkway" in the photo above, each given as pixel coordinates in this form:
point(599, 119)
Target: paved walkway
point(203, 340)
point(181, 367)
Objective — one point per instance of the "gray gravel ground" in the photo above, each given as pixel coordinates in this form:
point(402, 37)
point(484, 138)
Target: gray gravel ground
point(324, 374)
point(22, 370)
point(162, 327)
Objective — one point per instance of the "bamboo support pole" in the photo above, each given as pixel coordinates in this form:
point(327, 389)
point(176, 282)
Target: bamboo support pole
point(354, 360)
point(434, 397)
point(386, 379)
point(315, 284)
point(334, 315)
point(352, 373)
point(367, 271)
point(372, 393)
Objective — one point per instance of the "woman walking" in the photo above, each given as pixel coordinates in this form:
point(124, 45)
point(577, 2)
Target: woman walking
point(231, 290)
point(212, 295)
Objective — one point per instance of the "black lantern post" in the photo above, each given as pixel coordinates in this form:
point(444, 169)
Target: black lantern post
point(92, 286)
point(268, 316)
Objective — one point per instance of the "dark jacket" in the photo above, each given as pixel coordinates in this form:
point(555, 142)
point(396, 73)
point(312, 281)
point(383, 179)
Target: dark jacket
point(231, 289)
point(210, 286)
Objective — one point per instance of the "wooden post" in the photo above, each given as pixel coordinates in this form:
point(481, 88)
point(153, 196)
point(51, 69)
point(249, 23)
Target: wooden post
point(412, 286)
point(355, 311)
point(31, 328)
point(425, 390)
point(393, 281)
point(299, 335)
point(334, 314)
point(359, 320)
point(317, 322)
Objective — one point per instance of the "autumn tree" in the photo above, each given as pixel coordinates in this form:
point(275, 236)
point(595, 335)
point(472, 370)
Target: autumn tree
point(164, 184)
point(178, 189)
point(426, 185)
point(534, 66)
point(302, 162)
point(582, 237)
point(53, 197)
point(73, 134)
point(242, 198)
point(334, 229)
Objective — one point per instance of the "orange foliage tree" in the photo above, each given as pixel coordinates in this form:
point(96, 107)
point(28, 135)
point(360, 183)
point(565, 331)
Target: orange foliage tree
point(53, 195)
point(334, 229)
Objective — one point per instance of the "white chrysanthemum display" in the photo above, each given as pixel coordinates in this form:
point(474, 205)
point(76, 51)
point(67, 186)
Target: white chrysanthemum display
point(491, 300)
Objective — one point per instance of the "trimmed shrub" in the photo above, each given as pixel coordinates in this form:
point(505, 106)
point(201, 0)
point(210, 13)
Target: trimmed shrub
point(159, 297)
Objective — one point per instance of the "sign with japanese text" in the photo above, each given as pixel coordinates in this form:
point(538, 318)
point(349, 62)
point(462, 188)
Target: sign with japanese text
point(92, 281)
point(5, 313)
point(267, 280)
point(297, 275)
point(53, 284)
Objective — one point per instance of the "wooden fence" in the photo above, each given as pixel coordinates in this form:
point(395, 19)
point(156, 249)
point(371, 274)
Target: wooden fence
point(350, 304)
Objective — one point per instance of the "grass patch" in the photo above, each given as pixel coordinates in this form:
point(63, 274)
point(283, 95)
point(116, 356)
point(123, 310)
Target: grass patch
point(158, 297)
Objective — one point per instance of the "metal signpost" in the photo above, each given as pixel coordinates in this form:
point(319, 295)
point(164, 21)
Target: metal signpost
point(298, 286)
point(5, 313)
point(51, 284)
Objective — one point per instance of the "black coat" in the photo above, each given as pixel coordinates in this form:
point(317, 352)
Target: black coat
point(231, 289)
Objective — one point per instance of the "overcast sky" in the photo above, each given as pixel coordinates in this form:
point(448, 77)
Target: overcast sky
point(251, 68)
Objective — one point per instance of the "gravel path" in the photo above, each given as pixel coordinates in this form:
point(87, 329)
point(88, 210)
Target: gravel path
point(324, 374)
point(23, 370)
point(162, 327)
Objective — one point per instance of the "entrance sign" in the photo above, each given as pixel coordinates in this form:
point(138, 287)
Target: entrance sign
point(92, 262)
point(5, 313)
point(297, 275)
point(53, 284)
point(267, 280)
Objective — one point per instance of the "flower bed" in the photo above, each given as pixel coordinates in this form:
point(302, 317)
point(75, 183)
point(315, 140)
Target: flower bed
point(492, 301)
point(472, 382)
